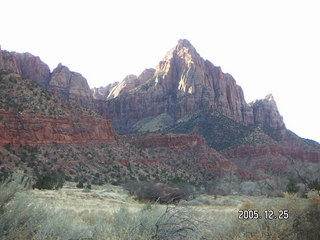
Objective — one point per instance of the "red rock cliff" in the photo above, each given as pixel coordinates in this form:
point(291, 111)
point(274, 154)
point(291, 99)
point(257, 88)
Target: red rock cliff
point(31, 130)
point(26, 65)
point(71, 86)
point(184, 83)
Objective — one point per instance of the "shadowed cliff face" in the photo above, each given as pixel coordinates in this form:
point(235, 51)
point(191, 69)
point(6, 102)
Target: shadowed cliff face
point(184, 83)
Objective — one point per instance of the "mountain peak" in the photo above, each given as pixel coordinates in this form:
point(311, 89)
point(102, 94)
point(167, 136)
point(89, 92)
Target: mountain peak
point(269, 97)
point(185, 47)
point(184, 43)
point(183, 55)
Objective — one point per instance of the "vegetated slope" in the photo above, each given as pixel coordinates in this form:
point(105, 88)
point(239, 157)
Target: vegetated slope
point(184, 160)
point(264, 152)
point(20, 95)
point(218, 130)
point(30, 116)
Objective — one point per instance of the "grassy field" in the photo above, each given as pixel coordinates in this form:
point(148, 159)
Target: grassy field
point(108, 212)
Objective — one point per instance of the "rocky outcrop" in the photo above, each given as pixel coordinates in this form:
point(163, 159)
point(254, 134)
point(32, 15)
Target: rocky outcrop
point(266, 114)
point(62, 82)
point(131, 82)
point(184, 83)
point(102, 93)
point(32, 130)
point(166, 141)
point(70, 86)
point(26, 65)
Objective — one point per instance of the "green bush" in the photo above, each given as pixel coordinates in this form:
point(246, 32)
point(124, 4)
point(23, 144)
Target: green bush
point(314, 185)
point(79, 185)
point(49, 181)
point(292, 186)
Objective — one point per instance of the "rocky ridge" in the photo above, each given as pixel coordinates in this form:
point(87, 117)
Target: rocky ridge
point(26, 65)
point(71, 86)
point(182, 84)
point(61, 81)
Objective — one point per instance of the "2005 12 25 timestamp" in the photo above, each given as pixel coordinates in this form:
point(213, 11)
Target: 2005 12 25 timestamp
point(250, 214)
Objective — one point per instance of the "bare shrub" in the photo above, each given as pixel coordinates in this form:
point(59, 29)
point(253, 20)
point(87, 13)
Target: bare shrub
point(25, 218)
point(307, 225)
point(246, 205)
point(291, 196)
point(169, 223)
point(159, 192)
point(175, 223)
point(10, 186)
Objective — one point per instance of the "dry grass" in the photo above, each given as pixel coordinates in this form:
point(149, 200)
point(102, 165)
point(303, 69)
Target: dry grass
point(107, 212)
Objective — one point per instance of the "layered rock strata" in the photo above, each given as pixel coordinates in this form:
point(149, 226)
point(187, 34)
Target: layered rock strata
point(31, 130)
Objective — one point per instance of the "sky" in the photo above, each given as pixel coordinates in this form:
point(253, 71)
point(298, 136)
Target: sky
point(267, 46)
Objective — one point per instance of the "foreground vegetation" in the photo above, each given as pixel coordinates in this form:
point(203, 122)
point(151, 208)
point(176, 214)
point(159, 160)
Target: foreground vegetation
point(108, 212)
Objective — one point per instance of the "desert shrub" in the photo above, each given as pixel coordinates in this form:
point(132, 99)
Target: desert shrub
point(10, 186)
point(153, 222)
point(314, 185)
point(144, 190)
point(49, 181)
point(79, 185)
point(159, 192)
point(25, 218)
point(175, 223)
point(306, 224)
point(186, 191)
point(292, 186)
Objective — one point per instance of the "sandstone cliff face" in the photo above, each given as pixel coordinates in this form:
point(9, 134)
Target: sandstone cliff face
point(62, 82)
point(266, 114)
point(32, 130)
point(184, 83)
point(25, 64)
point(131, 82)
point(101, 93)
point(197, 83)
point(71, 86)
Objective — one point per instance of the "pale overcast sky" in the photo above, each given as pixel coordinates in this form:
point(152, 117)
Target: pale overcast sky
point(268, 46)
